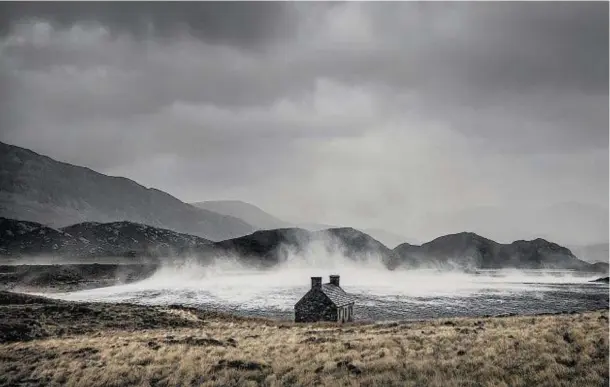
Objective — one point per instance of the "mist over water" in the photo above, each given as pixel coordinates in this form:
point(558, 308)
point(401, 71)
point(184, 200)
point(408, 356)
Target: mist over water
point(381, 294)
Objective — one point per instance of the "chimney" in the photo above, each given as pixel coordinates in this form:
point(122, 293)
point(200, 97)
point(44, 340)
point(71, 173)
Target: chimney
point(316, 282)
point(334, 280)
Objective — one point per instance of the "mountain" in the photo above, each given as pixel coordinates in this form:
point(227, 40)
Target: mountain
point(469, 250)
point(388, 238)
point(117, 238)
point(249, 213)
point(449, 251)
point(570, 223)
point(266, 246)
point(39, 189)
point(22, 238)
point(262, 220)
point(90, 239)
point(315, 226)
point(357, 244)
point(601, 267)
point(598, 252)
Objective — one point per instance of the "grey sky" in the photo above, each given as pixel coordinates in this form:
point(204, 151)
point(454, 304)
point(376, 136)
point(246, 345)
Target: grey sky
point(367, 114)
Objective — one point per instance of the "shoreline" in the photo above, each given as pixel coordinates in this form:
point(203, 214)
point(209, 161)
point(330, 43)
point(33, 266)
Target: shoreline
point(49, 280)
point(290, 320)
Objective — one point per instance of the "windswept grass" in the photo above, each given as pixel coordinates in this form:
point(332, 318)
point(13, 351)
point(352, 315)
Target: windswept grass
point(216, 350)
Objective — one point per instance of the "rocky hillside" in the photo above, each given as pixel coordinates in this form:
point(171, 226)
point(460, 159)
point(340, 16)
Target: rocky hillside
point(118, 239)
point(469, 250)
point(138, 239)
point(23, 238)
point(39, 189)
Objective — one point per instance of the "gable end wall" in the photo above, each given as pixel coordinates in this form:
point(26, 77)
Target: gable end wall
point(315, 306)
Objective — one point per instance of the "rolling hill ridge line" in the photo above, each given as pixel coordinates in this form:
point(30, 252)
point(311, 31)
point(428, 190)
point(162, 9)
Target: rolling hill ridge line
point(40, 189)
point(128, 239)
point(76, 212)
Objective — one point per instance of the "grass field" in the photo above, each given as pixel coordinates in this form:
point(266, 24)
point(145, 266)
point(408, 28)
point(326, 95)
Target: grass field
point(60, 343)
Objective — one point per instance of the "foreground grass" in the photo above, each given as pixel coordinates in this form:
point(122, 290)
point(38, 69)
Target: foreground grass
point(215, 350)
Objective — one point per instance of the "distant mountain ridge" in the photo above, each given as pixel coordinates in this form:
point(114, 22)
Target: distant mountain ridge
point(90, 239)
point(570, 223)
point(599, 252)
point(39, 189)
point(266, 247)
point(249, 213)
point(469, 250)
point(455, 251)
point(388, 238)
point(262, 220)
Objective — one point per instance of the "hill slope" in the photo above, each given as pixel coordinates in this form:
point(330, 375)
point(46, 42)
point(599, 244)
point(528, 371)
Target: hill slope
point(39, 189)
point(599, 252)
point(388, 238)
point(262, 220)
point(266, 246)
point(249, 213)
point(469, 250)
point(570, 223)
point(85, 240)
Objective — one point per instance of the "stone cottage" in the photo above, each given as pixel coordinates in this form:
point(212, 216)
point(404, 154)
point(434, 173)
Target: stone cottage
point(325, 302)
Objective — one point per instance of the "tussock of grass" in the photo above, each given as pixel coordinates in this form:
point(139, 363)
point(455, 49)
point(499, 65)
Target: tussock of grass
point(217, 350)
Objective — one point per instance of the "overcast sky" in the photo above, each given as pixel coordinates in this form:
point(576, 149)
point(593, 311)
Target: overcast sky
point(387, 115)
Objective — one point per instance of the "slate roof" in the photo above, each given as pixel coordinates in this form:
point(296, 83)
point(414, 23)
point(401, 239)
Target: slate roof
point(337, 295)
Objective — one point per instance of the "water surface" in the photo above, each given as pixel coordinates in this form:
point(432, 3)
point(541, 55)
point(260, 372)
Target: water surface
point(380, 294)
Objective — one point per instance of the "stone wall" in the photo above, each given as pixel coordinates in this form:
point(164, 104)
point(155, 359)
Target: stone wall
point(315, 306)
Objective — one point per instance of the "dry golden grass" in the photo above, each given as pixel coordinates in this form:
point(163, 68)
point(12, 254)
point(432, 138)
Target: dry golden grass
point(557, 350)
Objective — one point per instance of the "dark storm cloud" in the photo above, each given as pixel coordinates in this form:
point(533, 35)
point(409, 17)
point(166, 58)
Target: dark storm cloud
point(490, 46)
point(397, 104)
point(520, 46)
point(244, 24)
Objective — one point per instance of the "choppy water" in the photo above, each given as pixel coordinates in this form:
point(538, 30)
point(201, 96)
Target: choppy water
point(381, 294)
